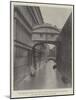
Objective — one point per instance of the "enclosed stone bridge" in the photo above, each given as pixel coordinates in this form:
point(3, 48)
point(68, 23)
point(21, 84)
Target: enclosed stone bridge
point(44, 34)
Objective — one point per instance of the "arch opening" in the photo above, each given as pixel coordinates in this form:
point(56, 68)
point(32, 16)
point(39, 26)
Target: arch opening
point(43, 52)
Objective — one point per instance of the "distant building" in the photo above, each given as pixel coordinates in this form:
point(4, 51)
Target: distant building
point(52, 53)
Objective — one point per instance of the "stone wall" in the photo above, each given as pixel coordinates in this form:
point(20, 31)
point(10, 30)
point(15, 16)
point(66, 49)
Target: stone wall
point(64, 51)
point(23, 23)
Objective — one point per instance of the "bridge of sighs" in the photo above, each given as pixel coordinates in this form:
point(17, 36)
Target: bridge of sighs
point(45, 38)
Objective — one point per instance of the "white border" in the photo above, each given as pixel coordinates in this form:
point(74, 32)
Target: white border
point(33, 93)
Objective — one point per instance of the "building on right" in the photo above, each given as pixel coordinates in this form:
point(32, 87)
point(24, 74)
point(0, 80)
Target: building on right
point(64, 52)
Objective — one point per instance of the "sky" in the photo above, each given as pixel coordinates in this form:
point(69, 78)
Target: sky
point(56, 15)
point(51, 46)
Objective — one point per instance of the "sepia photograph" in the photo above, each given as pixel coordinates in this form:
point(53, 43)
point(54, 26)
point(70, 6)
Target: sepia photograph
point(41, 49)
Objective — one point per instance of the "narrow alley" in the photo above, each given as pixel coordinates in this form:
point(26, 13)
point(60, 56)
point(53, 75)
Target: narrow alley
point(46, 78)
point(37, 44)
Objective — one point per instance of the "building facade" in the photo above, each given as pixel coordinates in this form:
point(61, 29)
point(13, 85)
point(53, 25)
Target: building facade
point(64, 51)
point(24, 19)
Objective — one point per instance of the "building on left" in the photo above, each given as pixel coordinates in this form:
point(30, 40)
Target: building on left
point(25, 17)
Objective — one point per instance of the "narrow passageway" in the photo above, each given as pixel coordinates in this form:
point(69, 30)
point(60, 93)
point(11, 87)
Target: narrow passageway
point(45, 78)
point(36, 39)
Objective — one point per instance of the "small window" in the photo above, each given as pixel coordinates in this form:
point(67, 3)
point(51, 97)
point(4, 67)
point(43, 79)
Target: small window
point(41, 35)
point(52, 35)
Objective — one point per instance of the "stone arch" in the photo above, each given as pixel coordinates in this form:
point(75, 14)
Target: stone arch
point(43, 29)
